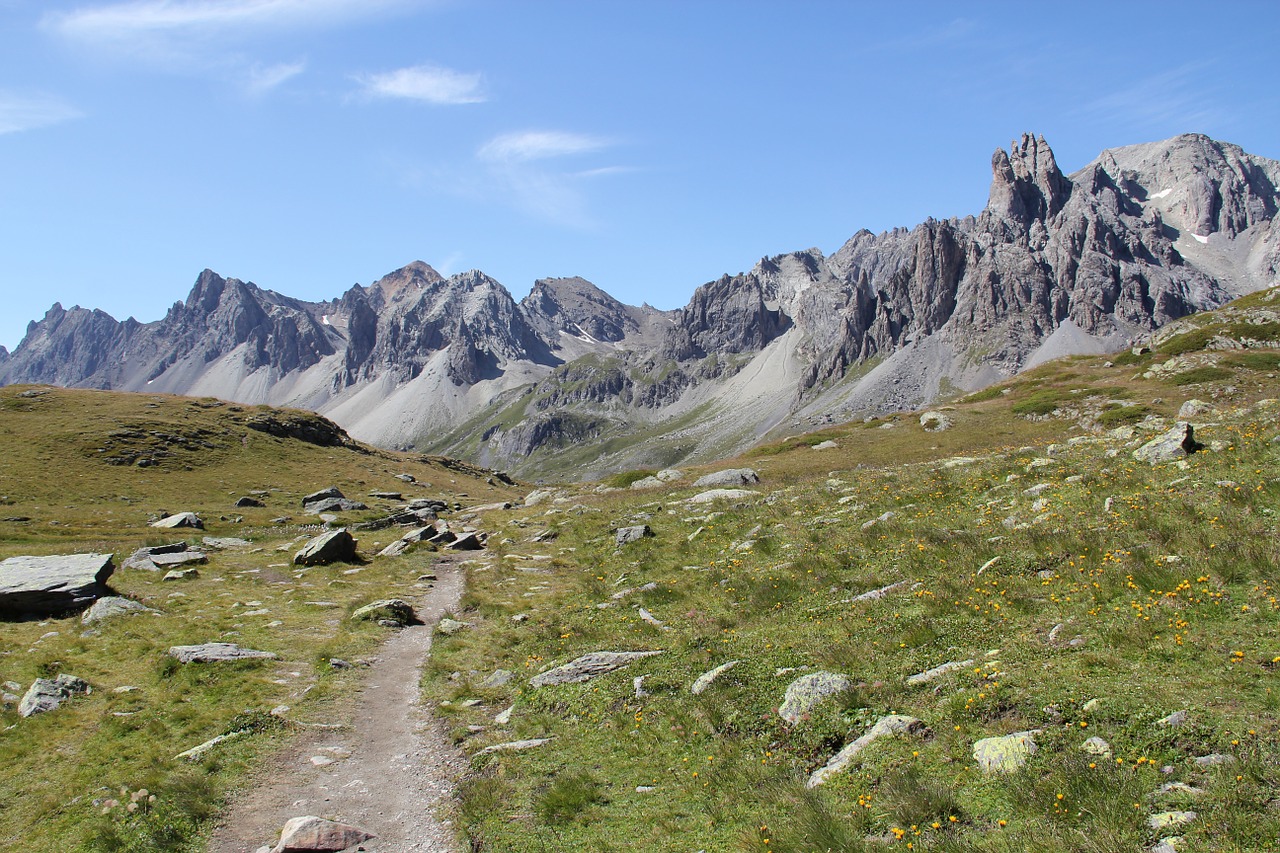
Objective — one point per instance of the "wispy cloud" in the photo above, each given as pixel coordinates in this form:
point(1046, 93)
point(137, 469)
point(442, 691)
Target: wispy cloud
point(537, 145)
point(1177, 98)
point(262, 79)
point(429, 83)
point(522, 172)
point(143, 19)
point(28, 112)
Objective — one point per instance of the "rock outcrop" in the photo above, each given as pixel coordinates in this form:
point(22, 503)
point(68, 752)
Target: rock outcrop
point(44, 586)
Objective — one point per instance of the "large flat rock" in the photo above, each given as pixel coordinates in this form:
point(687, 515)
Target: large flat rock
point(43, 586)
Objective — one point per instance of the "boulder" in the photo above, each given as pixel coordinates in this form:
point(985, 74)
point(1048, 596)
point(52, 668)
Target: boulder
point(112, 606)
point(935, 422)
point(181, 575)
point(217, 653)
point(937, 672)
point(449, 627)
point(394, 610)
point(892, 725)
point(728, 477)
point(467, 542)
point(1167, 820)
point(396, 548)
point(499, 678)
point(182, 519)
point(702, 682)
point(46, 694)
point(1175, 444)
point(515, 745)
point(825, 445)
point(804, 694)
point(323, 494)
point(181, 558)
point(43, 586)
point(1005, 754)
point(332, 547)
point(587, 667)
point(141, 558)
point(722, 495)
point(334, 505)
point(222, 543)
point(387, 496)
point(627, 535)
point(247, 503)
point(310, 833)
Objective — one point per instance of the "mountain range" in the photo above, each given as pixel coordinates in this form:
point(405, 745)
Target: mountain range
point(570, 381)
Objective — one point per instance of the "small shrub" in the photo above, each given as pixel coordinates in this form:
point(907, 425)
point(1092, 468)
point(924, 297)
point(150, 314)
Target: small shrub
point(916, 800)
point(1201, 374)
point(567, 797)
point(1119, 415)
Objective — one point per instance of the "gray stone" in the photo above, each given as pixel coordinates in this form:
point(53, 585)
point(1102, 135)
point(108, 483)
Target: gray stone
point(1193, 408)
point(46, 694)
point(181, 519)
point(43, 586)
point(1096, 746)
point(309, 833)
point(217, 653)
point(515, 745)
point(323, 494)
point(937, 672)
point(587, 667)
point(722, 495)
point(825, 445)
point(702, 682)
point(1175, 444)
point(729, 477)
point(804, 694)
point(181, 575)
point(111, 606)
point(396, 548)
point(332, 547)
point(1174, 720)
point(1214, 759)
point(498, 678)
point(627, 535)
point(935, 421)
point(1169, 820)
point(225, 543)
point(892, 725)
point(182, 558)
point(877, 594)
point(449, 627)
point(331, 505)
point(141, 558)
point(467, 542)
point(1005, 754)
point(395, 610)
point(248, 503)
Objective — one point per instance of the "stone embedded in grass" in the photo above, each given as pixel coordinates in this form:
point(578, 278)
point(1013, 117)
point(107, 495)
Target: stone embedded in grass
point(1168, 845)
point(1096, 746)
point(43, 586)
point(180, 558)
point(142, 558)
point(181, 575)
point(728, 477)
point(1005, 754)
point(394, 610)
point(329, 505)
point(877, 594)
point(217, 653)
point(722, 495)
point(1177, 443)
point(515, 745)
point(498, 678)
point(111, 606)
point(1174, 720)
point(1213, 759)
point(310, 833)
point(587, 667)
point(449, 627)
point(702, 682)
point(467, 542)
point(825, 445)
point(937, 672)
point(627, 535)
point(935, 422)
point(323, 494)
point(807, 691)
point(1166, 820)
point(46, 694)
point(332, 547)
point(892, 725)
point(181, 519)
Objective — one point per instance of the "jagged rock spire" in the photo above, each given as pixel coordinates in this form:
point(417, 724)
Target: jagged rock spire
point(1026, 183)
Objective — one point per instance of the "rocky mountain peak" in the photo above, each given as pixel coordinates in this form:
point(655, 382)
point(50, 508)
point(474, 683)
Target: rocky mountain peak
point(411, 278)
point(1026, 182)
point(576, 307)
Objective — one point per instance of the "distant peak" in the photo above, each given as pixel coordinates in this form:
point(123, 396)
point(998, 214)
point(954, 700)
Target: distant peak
point(1026, 182)
point(412, 276)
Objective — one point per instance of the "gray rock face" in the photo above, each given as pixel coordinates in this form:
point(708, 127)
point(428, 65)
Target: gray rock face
point(217, 653)
point(804, 694)
point(309, 834)
point(729, 478)
point(321, 495)
point(43, 586)
point(46, 694)
point(181, 519)
point(627, 535)
point(334, 505)
point(395, 610)
point(336, 546)
point(587, 667)
point(112, 606)
point(141, 558)
point(1177, 443)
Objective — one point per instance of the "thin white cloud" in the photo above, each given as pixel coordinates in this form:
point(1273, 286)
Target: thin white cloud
point(262, 79)
point(430, 83)
point(28, 112)
point(144, 19)
point(1176, 99)
point(528, 145)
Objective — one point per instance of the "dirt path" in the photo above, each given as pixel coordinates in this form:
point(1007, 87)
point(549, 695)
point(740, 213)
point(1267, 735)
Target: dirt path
point(390, 771)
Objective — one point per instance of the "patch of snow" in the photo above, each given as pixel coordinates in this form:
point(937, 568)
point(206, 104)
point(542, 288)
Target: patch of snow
point(1162, 193)
point(1200, 239)
point(583, 336)
point(324, 318)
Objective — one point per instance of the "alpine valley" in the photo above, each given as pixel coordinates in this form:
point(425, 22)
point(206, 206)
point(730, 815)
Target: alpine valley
point(569, 381)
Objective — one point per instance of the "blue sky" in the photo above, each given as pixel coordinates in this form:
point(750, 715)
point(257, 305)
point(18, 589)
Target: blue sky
point(308, 145)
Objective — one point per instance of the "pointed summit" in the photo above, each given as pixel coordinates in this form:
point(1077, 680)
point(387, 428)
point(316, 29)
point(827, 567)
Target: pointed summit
point(412, 278)
point(1026, 183)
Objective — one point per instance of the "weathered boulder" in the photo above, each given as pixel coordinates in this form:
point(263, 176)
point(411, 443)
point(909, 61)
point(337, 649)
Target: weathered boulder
point(248, 503)
point(217, 653)
point(393, 610)
point(935, 421)
point(46, 694)
point(396, 548)
point(1166, 820)
point(181, 575)
point(449, 627)
point(722, 495)
point(728, 477)
point(332, 547)
point(323, 494)
point(892, 725)
point(141, 558)
point(1005, 754)
point(334, 505)
point(515, 745)
point(181, 519)
point(937, 672)
point(43, 586)
point(587, 667)
point(807, 691)
point(308, 834)
point(222, 543)
point(181, 558)
point(627, 535)
point(112, 606)
point(1172, 445)
point(467, 542)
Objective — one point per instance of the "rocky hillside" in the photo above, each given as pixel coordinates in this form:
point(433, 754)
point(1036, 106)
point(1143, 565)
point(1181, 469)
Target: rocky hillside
point(569, 379)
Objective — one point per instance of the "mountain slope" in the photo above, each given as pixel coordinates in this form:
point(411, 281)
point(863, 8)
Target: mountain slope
point(571, 379)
